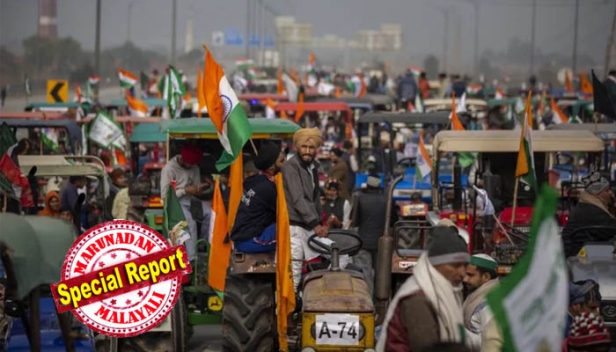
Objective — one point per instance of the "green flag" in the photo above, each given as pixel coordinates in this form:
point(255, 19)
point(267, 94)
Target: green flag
point(175, 226)
point(530, 304)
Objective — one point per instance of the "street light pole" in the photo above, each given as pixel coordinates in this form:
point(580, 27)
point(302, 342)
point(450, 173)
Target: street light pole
point(476, 58)
point(173, 35)
point(248, 28)
point(97, 47)
point(446, 39)
point(130, 7)
point(575, 35)
point(532, 39)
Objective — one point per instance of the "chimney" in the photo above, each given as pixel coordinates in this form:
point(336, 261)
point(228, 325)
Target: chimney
point(48, 19)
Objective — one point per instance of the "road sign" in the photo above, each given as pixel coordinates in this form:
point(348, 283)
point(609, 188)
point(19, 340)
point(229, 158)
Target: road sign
point(253, 40)
point(57, 91)
point(218, 38)
point(233, 37)
point(269, 41)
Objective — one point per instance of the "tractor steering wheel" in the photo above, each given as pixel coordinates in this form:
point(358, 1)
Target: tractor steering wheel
point(347, 241)
point(410, 161)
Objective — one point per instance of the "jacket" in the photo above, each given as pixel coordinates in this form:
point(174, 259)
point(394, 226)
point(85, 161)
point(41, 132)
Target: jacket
point(369, 212)
point(339, 172)
point(301, 188)
point(257, 209)
point(407, 87)
point(414, 326)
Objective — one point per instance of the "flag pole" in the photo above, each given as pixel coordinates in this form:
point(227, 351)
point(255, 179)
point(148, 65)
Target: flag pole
point(254, 148)
point(515, 199)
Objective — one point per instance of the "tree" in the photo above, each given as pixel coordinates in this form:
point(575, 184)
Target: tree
point(431, 66)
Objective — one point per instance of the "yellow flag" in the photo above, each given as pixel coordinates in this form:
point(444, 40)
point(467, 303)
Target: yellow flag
point(219, 250)
point(285, 292)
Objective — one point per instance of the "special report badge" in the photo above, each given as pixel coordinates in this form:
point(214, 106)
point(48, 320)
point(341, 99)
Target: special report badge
point(121, 278)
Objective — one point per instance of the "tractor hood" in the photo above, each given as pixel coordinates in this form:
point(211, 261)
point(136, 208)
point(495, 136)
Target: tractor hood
point(596, 261)
point(336, 292)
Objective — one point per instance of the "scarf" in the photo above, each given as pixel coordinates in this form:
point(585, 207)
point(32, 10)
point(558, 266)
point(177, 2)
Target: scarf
point(474, 300)
point(590, 199)
point(445, 299)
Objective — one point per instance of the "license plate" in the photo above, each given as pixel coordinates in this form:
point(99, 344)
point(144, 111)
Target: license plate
point(337, 329)
point(405, 265)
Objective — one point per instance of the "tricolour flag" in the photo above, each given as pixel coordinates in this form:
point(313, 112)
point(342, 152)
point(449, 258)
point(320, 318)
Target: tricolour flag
point(270, 113)
point(291, 87)
point(465, 159)
point(219, 229)
point(300, 108)
point(127, 79)
point(499, 95)
point(285, 291)
point(93, 80)
point(137, 107)
point(280, 83)
point(424, 163)
point(530, 304)
point(558, 116)
point(225, 112)
point(525, 167)
point(244, 63)
point(359, 86)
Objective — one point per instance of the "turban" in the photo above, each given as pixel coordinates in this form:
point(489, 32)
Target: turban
point(191, 154)
point(268, 154)
point(595, 183)
point(307, 133)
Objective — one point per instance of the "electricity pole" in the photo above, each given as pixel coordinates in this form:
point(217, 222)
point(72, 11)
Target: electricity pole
point(611, 47)
point(97, 47)
point(248, 28)
point(575, 36)
point(173, 35)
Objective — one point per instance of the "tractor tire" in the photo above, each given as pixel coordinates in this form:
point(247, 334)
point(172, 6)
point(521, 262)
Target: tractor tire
point(249, 322)
point(179, 326)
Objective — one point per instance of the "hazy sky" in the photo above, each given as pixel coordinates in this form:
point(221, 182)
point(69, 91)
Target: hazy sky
point(500, 20)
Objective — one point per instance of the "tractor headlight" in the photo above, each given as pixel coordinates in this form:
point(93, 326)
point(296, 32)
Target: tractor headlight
point(309, 349)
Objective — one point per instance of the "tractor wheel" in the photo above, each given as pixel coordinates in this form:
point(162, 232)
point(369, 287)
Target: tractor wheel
point(179, 326)
point(248, 314)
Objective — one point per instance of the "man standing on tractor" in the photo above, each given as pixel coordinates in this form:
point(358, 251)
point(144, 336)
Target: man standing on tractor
point(184, 171)
point(255, 225)
point(428, 307)
point(481, 277)
point(593, 209)
point(301, 188)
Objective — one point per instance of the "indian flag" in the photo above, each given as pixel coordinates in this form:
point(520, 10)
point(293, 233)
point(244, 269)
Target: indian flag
point(474, 90)
point(136, 106)
point(225, 112)
point(127, 79)
point(291, 87)
point(217, 236)
point(538, 282)
point(269, 108)
point(424, 163)
point(252, 74)
point(359, 86)
point(416, 71)
point(558, 116)
point(525, 167)
point(499, 95)
point(93, 80)
point(244, 63)
point(465, 159)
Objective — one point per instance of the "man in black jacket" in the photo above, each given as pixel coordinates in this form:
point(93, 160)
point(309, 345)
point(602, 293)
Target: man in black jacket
point(592, 210)
point(255, 225)
point(369, 213)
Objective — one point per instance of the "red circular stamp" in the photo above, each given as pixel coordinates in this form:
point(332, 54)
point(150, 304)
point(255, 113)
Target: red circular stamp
point(121, 278)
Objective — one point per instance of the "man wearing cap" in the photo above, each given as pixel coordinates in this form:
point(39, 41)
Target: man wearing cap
point(592, 210)
point(184, 171)
point(301, 188)
point(255, 225)
point(584, 296)
point(481, 276)
point(428, 307)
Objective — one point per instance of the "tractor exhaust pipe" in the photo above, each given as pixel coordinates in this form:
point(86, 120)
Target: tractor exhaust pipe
point(382, 286)
point(457, 187)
